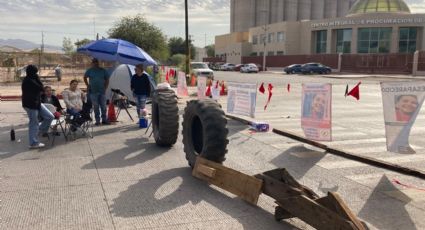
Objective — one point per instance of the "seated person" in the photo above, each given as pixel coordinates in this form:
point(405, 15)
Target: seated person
point(48, 98)
point(73, 98)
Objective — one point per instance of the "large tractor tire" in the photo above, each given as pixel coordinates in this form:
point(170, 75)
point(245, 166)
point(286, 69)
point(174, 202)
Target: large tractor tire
point(165, 117)
point(204, 131)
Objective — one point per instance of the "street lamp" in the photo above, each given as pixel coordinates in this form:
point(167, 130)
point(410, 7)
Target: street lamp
point(265, 29)
point(187, 38)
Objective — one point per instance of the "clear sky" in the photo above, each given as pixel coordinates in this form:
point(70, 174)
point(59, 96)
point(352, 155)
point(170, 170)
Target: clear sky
point(78, 19)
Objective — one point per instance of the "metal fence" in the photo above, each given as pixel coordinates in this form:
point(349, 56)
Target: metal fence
point(421, 61)
point(12, 65)
point(377, 63)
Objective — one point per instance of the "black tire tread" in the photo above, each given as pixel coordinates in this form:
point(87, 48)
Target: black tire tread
point(214, 130)
point(167, 132)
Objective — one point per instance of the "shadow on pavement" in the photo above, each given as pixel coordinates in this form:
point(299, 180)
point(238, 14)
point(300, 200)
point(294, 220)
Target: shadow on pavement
point(298, 159)
point(385, 212)
point(174, 188)
point(138, 150)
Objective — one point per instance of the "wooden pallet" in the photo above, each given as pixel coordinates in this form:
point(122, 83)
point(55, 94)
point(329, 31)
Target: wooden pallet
point(292, 198)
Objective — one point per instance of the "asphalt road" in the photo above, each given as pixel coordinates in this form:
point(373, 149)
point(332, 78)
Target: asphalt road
point(121, 180)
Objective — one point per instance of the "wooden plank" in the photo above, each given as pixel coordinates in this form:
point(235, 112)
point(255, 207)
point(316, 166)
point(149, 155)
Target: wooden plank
point(277, 189)
point(315, 214)
point(281, 214)
point(282, 175)
point(343, 210)
point(244, 186)
point(207, 171)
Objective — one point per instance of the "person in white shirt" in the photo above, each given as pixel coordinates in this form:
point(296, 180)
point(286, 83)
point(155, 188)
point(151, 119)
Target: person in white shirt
point(73, 98)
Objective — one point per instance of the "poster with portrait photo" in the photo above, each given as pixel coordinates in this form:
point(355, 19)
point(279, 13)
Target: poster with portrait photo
point(316, 111)
point(402, 102)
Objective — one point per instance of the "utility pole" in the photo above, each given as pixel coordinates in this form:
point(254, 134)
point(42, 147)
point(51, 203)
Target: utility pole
point(187, 38)
point(96, 35)
point(265, 29)
point(41, 50)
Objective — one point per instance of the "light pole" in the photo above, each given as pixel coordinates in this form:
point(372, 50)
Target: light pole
point(265, 28)
point(187, 38)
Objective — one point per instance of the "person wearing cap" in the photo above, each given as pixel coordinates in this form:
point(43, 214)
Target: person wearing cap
point(32, 88)
point(141, 87)
point(97, 81)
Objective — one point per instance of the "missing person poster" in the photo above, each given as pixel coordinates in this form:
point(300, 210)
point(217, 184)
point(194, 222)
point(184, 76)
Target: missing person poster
point(202, 87)
point(182, 85)
point(402, 102)
point(316, 111)
point(242, 98)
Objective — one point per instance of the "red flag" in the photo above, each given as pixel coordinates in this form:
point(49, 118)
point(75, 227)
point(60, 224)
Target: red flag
point(216, 84)
point(355, 92)
point(167, 77)
point(223, 89)
point(288, 87)
point(208, 92)
point(269, 88)
point(262, 89)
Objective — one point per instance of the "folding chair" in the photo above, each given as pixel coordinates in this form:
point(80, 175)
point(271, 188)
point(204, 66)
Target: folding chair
point(58, 121)
point(85, 127)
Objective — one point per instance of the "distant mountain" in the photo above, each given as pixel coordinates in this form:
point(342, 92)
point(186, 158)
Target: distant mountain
point(27, 45)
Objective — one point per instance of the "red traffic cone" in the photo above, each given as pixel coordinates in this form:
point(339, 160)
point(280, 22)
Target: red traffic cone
point(111, 113)
point(193, 80)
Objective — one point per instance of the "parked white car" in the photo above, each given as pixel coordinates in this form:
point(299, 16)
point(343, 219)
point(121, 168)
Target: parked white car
point(202, 69)
point(249, 68)
point(227, 67)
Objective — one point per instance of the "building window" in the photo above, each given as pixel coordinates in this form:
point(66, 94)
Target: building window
point(263, 39)
point(254, 39)
point(280, 37)
point(321, 37)
point(407, 40)
point(271, 38)
point(280, 53)
point(270, 53)
point(374, 40)
point(261, 54)
point(343, 40)
point(253, 54)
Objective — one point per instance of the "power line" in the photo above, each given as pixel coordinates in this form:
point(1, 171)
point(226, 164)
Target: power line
point(48, 31)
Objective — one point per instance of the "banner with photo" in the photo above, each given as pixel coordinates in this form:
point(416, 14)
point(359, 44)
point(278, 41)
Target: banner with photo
point(182, 85)
point(316, 111)
point(402, 102)
point(241, 98)
point(202, 87)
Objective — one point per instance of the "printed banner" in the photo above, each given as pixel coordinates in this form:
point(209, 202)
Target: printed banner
point(316, 111)
point(242, 98)
point(182, 85)
point(402, 102)
point(202, 87)
point(215, 93)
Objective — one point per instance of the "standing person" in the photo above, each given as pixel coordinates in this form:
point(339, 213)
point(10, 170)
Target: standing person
point(141, 87)
point(31, 102)
point(97, 81)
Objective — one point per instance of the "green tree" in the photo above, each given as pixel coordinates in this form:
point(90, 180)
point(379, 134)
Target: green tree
point(67, 46)
point(137, 30)
point(177, 45)
point(210, 50)
point(83, 42)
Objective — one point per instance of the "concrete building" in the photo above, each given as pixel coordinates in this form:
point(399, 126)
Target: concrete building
point(245, 14)
point(370, 26)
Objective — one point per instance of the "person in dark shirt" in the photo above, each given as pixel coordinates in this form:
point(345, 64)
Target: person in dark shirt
point(31, 102)
point(141, 87)
point(48, 98)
